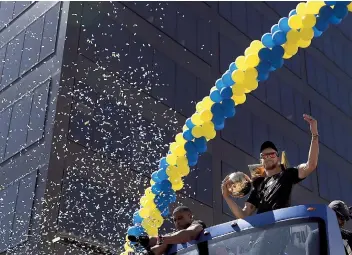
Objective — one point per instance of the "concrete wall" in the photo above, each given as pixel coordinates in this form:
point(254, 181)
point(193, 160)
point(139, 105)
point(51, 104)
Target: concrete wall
point(131, 75)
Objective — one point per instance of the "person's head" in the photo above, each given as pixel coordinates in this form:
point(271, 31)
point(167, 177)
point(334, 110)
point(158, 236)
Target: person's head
point(182, 217)
point(342, 211)
point(269, 156)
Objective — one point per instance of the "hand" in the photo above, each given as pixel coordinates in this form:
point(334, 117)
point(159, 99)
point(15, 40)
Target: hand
point(224, 187)
point(313, 124)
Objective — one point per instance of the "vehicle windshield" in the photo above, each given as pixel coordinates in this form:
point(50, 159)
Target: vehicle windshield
point(279, 239)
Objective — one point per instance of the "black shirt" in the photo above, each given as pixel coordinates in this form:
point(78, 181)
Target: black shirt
point(195, 222)
point(347, 235)
point(274, 192)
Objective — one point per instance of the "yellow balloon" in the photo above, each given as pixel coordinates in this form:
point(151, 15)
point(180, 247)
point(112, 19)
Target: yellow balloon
point(248, 51)
point(207, 103)
point(257, 45)
point(304, 44)
point(210, 135)
point(306, 34)
point(206, 115)
point(182, 161)
point(148, 192)
point(199, 106)
point(287, 56)
point(301, 9)
point(293, 36)
point(155, 214)
point(252, 60)
point(127, 247)
point(184, 128)
point(144, 212)
point(308, 21)
point(240, 63)
point(177, 185)
point(173, 146)
point(290, 49)
point(196, 120)
point(179, 139)
point(172, 172)
point(313, 7)
point(171, 159)
point(197, 131)
point(237, 76)
point(184, 170)
point(295, 22)
point(349, 7)
point(238, 89)
point(239, 99)
point(251, 84)
point(152, 182)
point(208, 127)
point(251, 73)
point(180, 151)
point(124, 253)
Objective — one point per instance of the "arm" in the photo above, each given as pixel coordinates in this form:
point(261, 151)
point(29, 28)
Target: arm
point(306, 169)
point(183, 236)
point(237, 211)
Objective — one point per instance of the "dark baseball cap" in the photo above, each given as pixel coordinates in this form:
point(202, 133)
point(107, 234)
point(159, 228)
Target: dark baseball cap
point(341, 209)
point(267, 145)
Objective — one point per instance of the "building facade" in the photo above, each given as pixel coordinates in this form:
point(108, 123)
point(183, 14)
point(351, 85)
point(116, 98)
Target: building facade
point(92, 93)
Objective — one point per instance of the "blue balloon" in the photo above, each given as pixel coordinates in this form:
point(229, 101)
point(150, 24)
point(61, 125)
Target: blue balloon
point(228, 104)
point(137, 219)
point(322, 25)
point(218, 119)
point(264, 66)
point(156, 189)
point(267, 40)
point(189, 123)
point(272, 68)
point(201, 144)
point(279, 37)
point(227, 79)
point(162, 163)
point(325, 13)
point(263, 76)
point(135, 231)
point(340, 11)
point(275, 28)
point(165, 185)
point(192, 159)
point(230, 112)
point(277, 52)
point(165, 212)
point(219, 84)
point(226, 93)
point(190, 147)
point(217, 110)
point(293, 12)
point(345, 3)
point(162, 175)
point(219, 126)
point(278, 63)
point(187, 135)
point(330, 3)
point(334, 20)
point(155, 177)
point(232, 67)
point(265, 54)
point(215, 96)
point(317, 33)
point(283, 25)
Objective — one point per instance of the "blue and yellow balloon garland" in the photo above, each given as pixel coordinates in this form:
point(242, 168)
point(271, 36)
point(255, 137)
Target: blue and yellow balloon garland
point(307, 21)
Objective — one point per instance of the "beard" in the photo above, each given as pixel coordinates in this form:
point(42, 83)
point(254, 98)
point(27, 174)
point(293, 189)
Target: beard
point(270, 165)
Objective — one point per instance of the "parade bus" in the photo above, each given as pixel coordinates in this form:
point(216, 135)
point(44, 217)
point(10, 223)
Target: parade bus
point(237, 237)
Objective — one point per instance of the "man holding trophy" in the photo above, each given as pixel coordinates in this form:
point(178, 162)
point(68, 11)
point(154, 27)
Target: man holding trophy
point(271, 183)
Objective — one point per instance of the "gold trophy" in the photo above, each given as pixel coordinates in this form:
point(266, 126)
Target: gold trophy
point(240, 184)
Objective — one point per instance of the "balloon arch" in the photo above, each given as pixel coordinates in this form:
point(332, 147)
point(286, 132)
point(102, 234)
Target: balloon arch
point(307, 21)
